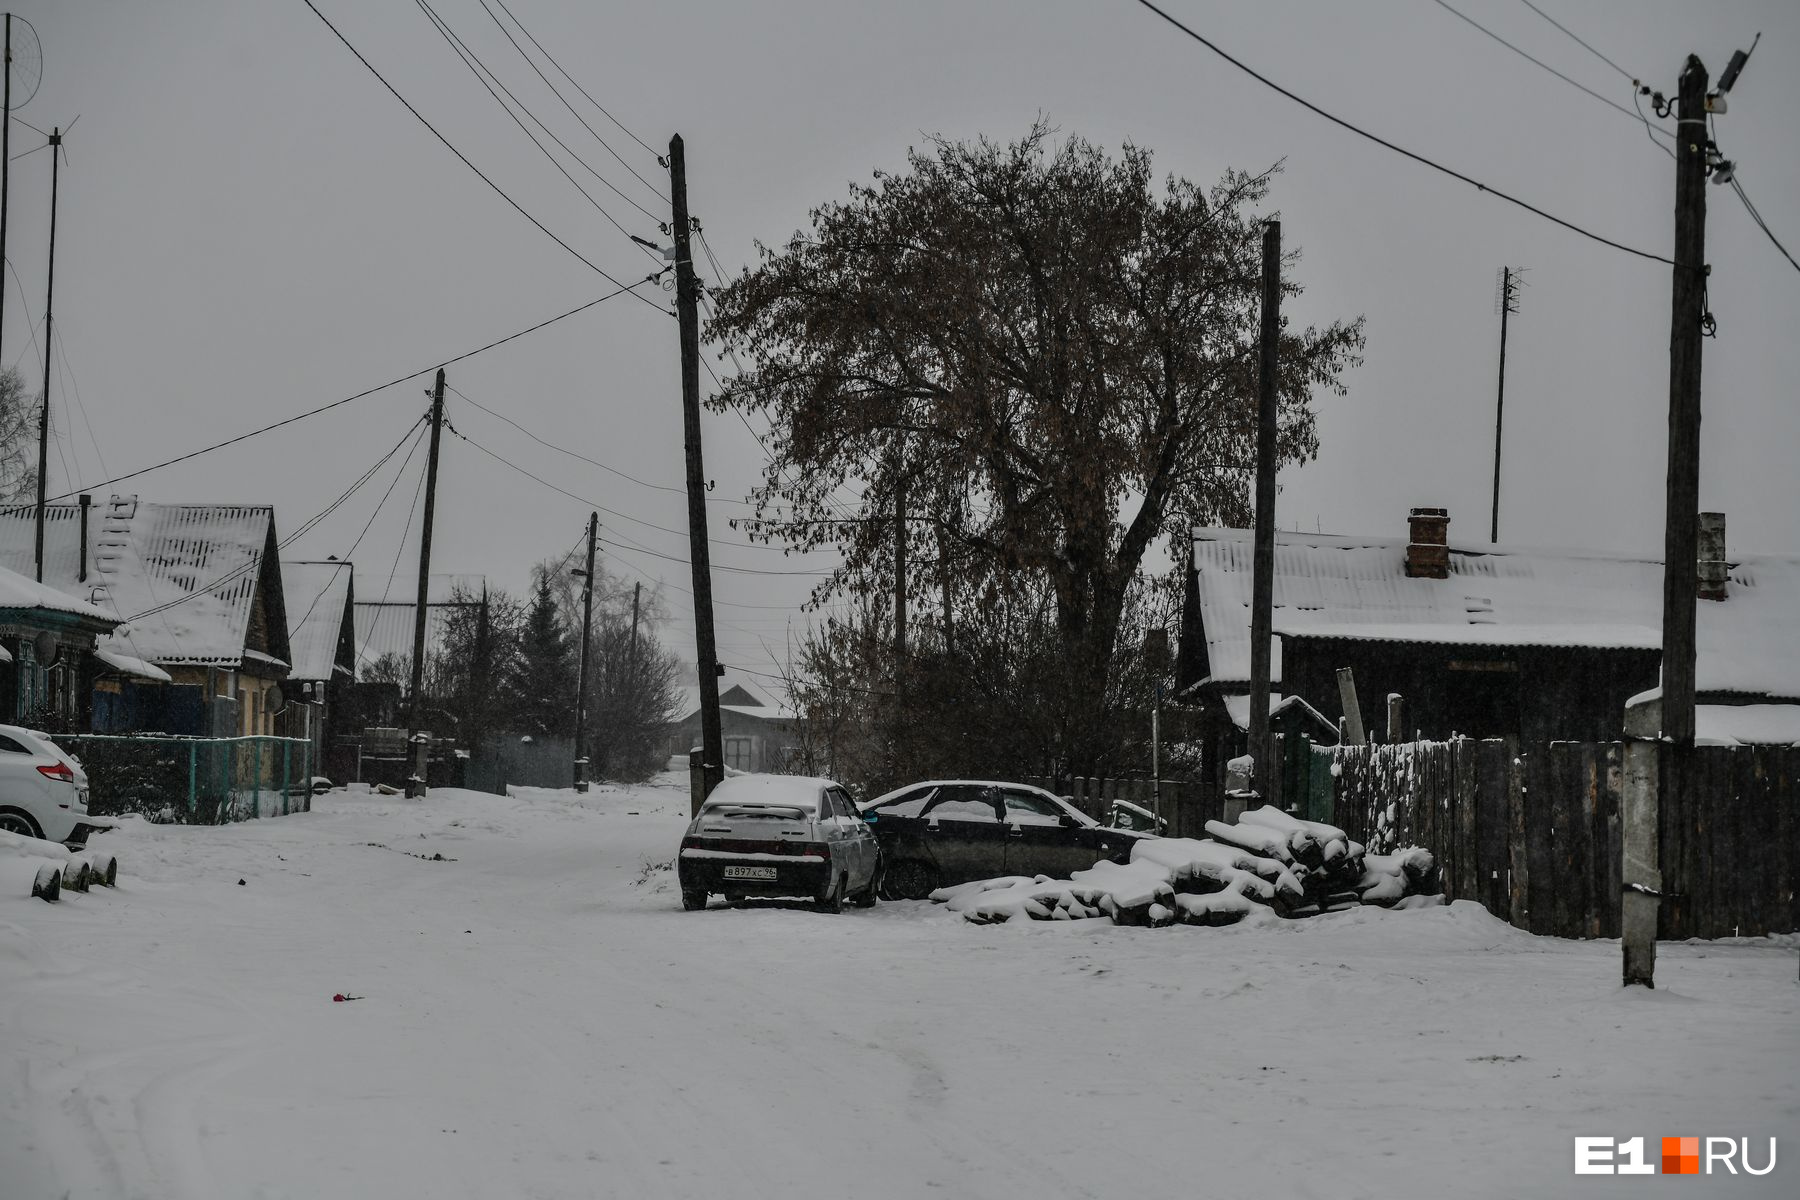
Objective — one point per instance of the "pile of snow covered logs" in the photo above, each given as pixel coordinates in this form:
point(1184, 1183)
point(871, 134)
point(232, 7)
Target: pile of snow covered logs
point(1293, 868)
point(34, 867)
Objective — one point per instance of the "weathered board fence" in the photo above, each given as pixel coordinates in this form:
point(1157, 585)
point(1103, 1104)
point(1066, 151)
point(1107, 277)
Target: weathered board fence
point(1534, 833)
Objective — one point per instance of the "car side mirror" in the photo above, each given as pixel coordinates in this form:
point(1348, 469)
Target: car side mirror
point(871, 818)
point(1066, 821)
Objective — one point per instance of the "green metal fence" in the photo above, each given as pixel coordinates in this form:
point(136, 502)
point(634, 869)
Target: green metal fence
point(196, 781)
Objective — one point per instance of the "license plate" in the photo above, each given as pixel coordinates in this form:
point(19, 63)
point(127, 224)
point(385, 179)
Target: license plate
point(750, 872)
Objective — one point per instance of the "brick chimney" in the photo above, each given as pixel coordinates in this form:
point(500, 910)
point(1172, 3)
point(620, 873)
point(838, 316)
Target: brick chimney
point(1428, 550)
point(1713, 572)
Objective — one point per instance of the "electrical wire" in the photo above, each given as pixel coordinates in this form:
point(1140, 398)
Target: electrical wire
point(659, 487)
point(602, 508)
point(418, 490)
point(1737, 186)
point(358, 396)
point(478, 68)
point(464, 159)
point(1398, 149)
point(1609, 62)
point(256, 562)
point(1546, 66)
point(634, 137)
point(62, 352)
point(565, 103)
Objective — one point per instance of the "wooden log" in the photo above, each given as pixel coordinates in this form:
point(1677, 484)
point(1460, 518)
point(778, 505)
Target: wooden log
point(40, 878)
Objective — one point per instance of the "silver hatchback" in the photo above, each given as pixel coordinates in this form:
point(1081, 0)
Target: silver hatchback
point(779, 835)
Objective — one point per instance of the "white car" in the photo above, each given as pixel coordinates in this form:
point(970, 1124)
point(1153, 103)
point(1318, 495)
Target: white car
point(43, 790)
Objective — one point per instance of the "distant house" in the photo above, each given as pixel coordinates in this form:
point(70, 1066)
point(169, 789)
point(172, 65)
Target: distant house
point(321, 599)
point(759, 732)
point(1480, 639)
point(198, 588)
point(51, 655)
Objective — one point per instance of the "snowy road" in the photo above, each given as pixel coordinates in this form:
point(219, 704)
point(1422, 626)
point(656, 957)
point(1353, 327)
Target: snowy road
point(539, 1019)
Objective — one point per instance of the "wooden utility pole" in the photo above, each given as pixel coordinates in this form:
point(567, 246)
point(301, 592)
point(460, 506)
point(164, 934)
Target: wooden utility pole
point(637, 590)
point(899, 565)
point(43, 476)
point(417, 735)
point(1263, 577)
point(1509, 304)
point(587, 632)
point(1680, 544)
point(5, 155)
point(687, 309)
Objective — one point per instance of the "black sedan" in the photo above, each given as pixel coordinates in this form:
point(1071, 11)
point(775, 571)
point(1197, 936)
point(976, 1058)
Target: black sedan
point(946, 832)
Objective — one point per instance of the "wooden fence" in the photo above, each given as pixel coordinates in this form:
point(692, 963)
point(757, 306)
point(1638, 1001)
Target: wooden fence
point(1187, 806)
point(1534, 833)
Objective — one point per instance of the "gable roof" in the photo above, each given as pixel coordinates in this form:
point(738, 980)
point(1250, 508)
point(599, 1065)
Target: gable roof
point(318, 599)
point(185, 577)
point(385, 626)
point(752, 699)
point(1328, 585)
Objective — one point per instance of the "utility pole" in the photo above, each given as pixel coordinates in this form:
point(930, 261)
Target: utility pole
point(637, 590)
point(415, 718)
point(5, 156)
point(1508, 301)
point(1263, 578)
point(43, 476)
point(1680, 545)
point(687, 309)
point(899, 566)
point(587, 632)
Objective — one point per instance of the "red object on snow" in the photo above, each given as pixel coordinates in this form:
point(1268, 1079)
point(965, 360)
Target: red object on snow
point(338, 998)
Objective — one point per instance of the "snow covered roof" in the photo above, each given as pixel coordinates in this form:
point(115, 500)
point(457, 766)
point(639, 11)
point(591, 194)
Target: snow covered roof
point(317, 594)
point(739, 693)
point(1237, 707)
point(126, 664)
point(1328, 585)
point(185, 577)
point(385, 625)
point(1747, 724)
point(23, 592)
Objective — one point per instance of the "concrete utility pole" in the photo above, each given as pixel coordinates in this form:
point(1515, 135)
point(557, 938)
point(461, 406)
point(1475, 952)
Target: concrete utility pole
point(43, 476)
point(5, 154)
point(637, 591)
point(417, 735)
point(1509, 304)
point(687, 308)
point(899, 565)
point(587, 631)
point(1681, 540)
point(1263, 578)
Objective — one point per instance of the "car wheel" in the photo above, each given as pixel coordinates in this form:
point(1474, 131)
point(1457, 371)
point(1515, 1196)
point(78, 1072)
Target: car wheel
point(692, 900)
point(910, 879)
point(867, 897)
point(833, 899)
point(13, 820)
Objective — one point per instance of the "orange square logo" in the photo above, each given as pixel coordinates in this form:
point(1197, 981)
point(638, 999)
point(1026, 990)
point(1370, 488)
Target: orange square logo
point(1681, 1156)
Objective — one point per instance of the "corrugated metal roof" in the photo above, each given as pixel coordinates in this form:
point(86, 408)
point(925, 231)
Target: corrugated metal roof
point(386, 626)
point(201, 560)
point(317, 593)
point(1748, 643)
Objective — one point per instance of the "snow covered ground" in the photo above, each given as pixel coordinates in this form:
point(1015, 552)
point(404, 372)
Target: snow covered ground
point(538, 1018)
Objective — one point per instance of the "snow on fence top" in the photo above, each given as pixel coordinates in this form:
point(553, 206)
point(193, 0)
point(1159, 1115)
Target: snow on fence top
point(1328, 585)
point(184, 577)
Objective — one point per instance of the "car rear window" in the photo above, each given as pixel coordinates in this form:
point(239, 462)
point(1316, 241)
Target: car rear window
point(11, 746)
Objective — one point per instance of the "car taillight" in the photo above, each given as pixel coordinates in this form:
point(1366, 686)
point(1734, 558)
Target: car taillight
point(690, 843)
point(57, 771)
point(822, 849)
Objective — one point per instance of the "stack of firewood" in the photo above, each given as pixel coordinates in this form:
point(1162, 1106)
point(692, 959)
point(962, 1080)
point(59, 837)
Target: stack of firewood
point(1268, 860)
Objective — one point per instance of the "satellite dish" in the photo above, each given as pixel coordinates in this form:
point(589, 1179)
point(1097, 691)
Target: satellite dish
point(25, 67)
point(45, 646)
point(276, 698)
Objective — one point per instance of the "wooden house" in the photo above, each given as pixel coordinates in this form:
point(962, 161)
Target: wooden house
point(1481, 639)
point(198, 590)
point(759, 732)
point(53, 652)
point(321, 601)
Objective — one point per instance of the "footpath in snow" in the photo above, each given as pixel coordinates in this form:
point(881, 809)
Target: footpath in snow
point(536, 1017)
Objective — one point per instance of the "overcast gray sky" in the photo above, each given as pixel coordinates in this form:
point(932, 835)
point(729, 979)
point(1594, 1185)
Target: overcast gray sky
point(251, 226)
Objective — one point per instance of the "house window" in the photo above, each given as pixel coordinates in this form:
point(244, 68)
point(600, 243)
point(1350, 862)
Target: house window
point(738, 753)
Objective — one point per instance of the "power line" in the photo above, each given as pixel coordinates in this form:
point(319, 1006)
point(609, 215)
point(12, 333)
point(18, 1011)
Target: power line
point(659, 487)
point(1397, 149)
point(1546, 66)
point(255, 563)
point(405, 529)
point(464, 159)
point(1738, 187)
point(360, 395)
point(1609, 62)
point(565, 103)
point(634, 137)
point(594, 504)
point(477, 68)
